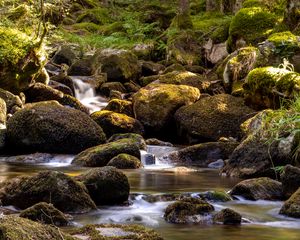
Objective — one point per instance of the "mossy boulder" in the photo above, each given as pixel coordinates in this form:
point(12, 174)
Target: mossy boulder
point(115, 231)
point(65, 55)
point(188, 210)
point(65, 80)
point(213, 117)
point(259, 189)
point(106, 88)
point(151, 68)
point(291, 207)
point(250, 26)
point(13, 227)
point(113, 123)
point(228, 216)
point(106, 185)
point(45, 213)
point(61, 87)
point(125, 161)
point(157, 142)
point(216, 196)
point(83, 67)
point(202, 154)
point(120, 65)
point(120, 106)
point(21, 60)
point(100, 155)
point(48, 186)
point(138, 139)
point(98, 16)
point(266, 87)
point(290, 178)
point(155, 105)
point(40, 92)
point(50, 127)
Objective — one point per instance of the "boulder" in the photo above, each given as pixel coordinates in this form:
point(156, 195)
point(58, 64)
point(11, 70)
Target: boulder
point(106, 88)
point(2, 114)
point(120, 106)
point(45, 213)
point(202, 154)
point(157, 142)
point(61, 87)
point(113, 123)
point(13, 227)
point(13, 102)
point(100, 155)
point(150, 68)
point(106, 185)
point(188, 210)
point(115, 231)
point(125, 161)
point(266, 87)
point(120, 65)
point(290, 178)
point(212, 118)
point(52, 187)
point(227, 216)
point(83, 67)
point(259, 189)
point(155, 105)
point(216, 196)
point(20, 61)
point(65, 55)
point(65, 80)
point(138, 139)
point(291, 207)
point(50, 127)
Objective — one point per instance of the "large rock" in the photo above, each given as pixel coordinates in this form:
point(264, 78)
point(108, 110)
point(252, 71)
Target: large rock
point(291, 207)
point(50, 127)
point(100, 155)
point(106, 185)
point(155, 105)
point(290, 179)
point(20, 60)
point(259, 189)
point(120, 106)
point(188, 210)
point(120, 65)
point(45, 213)
point(228, 216)
point(266, 87)
point(138, 139)
point(13, 227)
point(13, 102)
point(65, 55)
point(113, 123)
point(202, 154)
point(213, 117)
point(50, 186)
point(125, 161)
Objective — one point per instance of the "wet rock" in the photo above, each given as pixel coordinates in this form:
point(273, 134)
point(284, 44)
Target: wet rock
point(83, 67)
point(216, 164)
point(50, 127)
point(291, 207)
point(157, 142)
point(259, 189)
point(48, 186)
point(149, 159)
point(167, 197)
point(114, 123)
point(106, 88)
point(45, 213)
point(100, 155)
point(216, 196)
point(65, 55)
point(120, 65)
point(188, 210)
point(125, 161)
point(290, 179)
point(138, 139)
point(120, 106)
point(202, 154)
point(13, 227)
point(61, 87)
point(65, 80)
point(106, 185)
point(115, 231)
point(13, 102)
point(213, 117)
point(155, 104)
point(228, 216)
point(34, 158)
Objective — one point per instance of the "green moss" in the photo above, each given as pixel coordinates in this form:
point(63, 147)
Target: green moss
point(95, 15)
point(89, 26)
point(182, 21)
point(252, 25)
point(125, 161)
point(276, 6)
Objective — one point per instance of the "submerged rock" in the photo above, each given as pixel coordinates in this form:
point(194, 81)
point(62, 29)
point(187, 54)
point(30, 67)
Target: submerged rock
point(50, 186)
point(45, 213)
point(228, 216)
point(13, 227)
point(125, 161)
point(106, 185)
point(291, 207)
point(100, 155)
point(50, 127)
point(259, 189)
point(188, 210)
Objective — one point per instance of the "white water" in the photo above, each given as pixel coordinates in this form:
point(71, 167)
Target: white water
point(86, 94)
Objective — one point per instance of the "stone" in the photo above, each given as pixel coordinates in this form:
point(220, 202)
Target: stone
point(13, 102)
point(106, 88)
point(138, 139)
point(125, 161)
point(120, 106)
point(3, 111)
point(228, 216)
point(291, 207)
point(290, 178)
point(106, 185)
point(65, 55)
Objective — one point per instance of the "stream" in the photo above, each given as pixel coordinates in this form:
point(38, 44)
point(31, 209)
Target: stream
point(263, 221)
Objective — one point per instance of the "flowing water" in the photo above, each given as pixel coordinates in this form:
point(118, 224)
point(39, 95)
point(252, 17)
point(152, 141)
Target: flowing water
point(263, 221)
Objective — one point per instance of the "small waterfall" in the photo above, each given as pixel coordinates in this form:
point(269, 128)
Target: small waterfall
point(85, 92)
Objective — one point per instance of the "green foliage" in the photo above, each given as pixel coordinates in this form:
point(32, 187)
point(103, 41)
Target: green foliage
point(95, 15)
